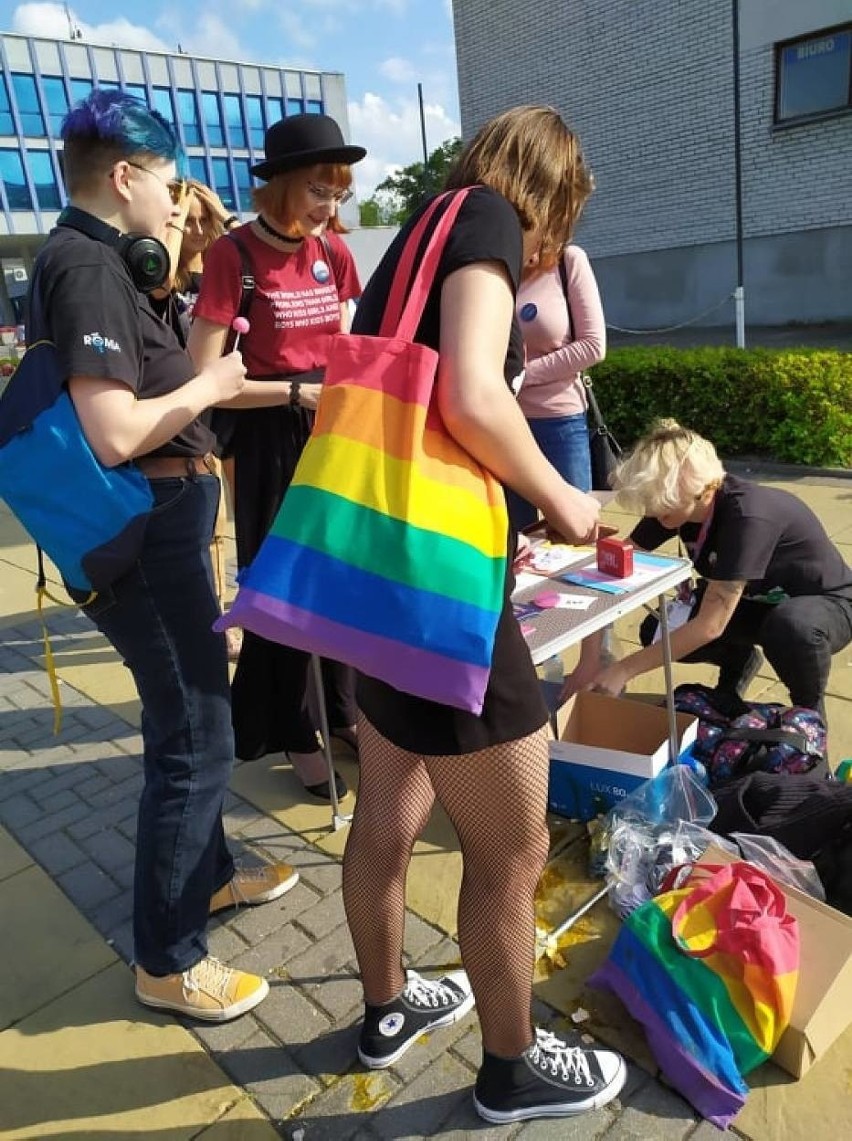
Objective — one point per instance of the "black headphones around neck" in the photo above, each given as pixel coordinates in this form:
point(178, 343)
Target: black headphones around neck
point(146, 258)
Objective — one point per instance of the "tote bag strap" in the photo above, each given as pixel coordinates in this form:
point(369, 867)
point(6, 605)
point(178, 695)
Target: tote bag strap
point(403, 316)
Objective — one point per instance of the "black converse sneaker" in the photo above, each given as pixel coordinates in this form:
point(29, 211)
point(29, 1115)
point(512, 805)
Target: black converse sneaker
point(424, 1004)
point(550, 1079)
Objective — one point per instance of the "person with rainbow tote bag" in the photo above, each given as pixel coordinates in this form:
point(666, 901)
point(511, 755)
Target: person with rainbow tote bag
point(393, 551)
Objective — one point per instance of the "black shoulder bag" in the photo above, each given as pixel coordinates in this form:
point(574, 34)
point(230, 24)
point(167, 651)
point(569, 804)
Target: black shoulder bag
point(604, 449)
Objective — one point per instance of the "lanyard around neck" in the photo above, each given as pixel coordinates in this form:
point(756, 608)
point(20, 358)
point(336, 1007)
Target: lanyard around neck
point(705, 527)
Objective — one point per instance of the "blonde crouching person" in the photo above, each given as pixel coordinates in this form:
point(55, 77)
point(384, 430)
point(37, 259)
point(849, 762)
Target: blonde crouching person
point(769, 575)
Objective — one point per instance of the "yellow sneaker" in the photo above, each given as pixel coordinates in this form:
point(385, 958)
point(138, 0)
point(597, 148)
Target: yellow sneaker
point(254, 885)
point(209, 990)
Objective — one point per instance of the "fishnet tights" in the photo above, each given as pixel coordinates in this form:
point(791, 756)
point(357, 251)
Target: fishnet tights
point(496, 799)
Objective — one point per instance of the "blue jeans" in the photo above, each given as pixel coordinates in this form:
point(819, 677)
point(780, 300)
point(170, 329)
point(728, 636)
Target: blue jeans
point(565, 442)
point(159, 617)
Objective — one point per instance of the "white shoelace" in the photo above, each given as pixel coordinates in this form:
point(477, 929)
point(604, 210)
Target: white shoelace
point(208, 975)
point(429, 992)
point(553, 1056)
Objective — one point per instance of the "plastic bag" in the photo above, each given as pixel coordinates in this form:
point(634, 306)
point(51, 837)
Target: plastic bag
point(772, 857)
point(655, 828)
point(673, 795)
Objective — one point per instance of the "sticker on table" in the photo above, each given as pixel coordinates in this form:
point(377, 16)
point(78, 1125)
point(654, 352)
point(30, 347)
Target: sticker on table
point(549, 558)
point(523, 610)
point(557, 600)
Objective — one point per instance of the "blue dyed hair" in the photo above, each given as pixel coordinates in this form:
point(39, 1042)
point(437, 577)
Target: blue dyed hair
point(110, 125)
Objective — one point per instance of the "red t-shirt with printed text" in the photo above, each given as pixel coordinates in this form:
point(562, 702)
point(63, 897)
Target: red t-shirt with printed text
point(295, 308)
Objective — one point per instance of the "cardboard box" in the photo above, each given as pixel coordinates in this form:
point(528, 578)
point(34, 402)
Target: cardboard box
point(822, 1008)
point(607, 747)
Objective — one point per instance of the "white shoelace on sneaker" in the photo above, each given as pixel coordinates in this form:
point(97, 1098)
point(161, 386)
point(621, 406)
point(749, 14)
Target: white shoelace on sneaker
point(429, 992)
point(208, 975)
point(553, 1056)
point(242, 878)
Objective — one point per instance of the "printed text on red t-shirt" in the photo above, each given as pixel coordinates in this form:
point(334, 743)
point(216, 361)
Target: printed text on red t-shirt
point(302, 308)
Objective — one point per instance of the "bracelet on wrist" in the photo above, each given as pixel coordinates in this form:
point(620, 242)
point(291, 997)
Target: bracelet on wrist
point(231, 221)
point(294, 393)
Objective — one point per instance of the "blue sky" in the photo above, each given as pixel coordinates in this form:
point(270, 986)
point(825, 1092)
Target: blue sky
point(383, 47)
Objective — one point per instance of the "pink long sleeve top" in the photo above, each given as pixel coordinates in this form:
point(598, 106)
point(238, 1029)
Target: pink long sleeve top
point(556, 353)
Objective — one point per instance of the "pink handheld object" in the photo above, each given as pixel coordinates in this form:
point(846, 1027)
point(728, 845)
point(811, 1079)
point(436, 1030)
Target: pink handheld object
point(241, 326)
point(547, 599)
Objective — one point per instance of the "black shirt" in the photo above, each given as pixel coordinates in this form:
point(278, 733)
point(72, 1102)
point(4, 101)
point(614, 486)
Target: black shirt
point(84, 300)
point(486, 229)
point(762, 536)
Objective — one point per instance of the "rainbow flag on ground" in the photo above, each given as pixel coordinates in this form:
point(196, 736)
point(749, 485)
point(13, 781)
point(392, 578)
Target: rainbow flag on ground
point(710, 972)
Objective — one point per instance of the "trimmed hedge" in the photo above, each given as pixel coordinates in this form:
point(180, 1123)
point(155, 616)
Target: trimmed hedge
point(788, 405)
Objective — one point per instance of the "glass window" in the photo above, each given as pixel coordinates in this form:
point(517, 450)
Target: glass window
point(222, 182)
point(212, 118)
point(254, 117)
point(80, 88)
point(162, 102)
point(57, 103)
point(234, 119)
point(275, 110)
point(244, 184)
point(813, 75)
point(137, 90)
point(41, 172)
point(12, 173)
point(314, 106)
point(295, 106)
point(7, 127)
point(188, 115)
point(26, 97)
point(198, 169)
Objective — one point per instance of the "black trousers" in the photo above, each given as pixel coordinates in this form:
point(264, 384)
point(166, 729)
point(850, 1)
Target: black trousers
point(799, 636)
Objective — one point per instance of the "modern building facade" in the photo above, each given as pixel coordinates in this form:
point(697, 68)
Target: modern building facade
point(221, 110)
point(650, 87)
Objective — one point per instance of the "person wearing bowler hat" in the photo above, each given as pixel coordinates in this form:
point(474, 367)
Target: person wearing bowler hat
point(304, 277)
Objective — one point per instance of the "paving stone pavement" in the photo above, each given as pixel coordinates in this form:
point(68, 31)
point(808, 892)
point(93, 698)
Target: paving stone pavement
point(70, 801)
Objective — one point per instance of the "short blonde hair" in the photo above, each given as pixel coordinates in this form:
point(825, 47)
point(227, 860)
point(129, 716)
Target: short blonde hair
point(533, 158)
point(274, 198)
point(669, 469)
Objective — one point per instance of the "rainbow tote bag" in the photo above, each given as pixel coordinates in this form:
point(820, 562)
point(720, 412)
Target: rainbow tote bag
point(389, 550)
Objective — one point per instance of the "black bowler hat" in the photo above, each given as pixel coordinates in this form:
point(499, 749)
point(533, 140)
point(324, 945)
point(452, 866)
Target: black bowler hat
point(304, 140)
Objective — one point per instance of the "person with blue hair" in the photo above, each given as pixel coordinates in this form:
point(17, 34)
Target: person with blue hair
point(139, 397)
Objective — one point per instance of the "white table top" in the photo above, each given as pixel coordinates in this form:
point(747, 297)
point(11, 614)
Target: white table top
point(556, 629)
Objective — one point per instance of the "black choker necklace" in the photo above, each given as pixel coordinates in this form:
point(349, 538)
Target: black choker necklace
point(264, 225)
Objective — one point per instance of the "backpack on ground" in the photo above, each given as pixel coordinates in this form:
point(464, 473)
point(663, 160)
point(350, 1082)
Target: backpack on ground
point(737, 737)
point(810, 816)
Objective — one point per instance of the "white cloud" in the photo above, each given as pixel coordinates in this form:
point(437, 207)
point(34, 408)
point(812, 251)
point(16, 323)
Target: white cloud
point(398, 70)
point(52, 21)
point(391, 134)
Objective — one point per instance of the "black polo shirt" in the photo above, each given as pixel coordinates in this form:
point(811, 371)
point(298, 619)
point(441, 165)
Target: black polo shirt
point(84, 300)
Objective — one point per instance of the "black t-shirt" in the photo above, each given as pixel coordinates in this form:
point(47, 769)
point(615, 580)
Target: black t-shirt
point(86, 303)
point(762, 536)
point(486, 229)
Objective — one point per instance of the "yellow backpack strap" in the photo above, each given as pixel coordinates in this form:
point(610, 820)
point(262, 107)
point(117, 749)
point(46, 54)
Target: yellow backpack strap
point(49, 662)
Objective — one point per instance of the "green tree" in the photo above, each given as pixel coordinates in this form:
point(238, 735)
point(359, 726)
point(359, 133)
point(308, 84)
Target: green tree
point(400, 194)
